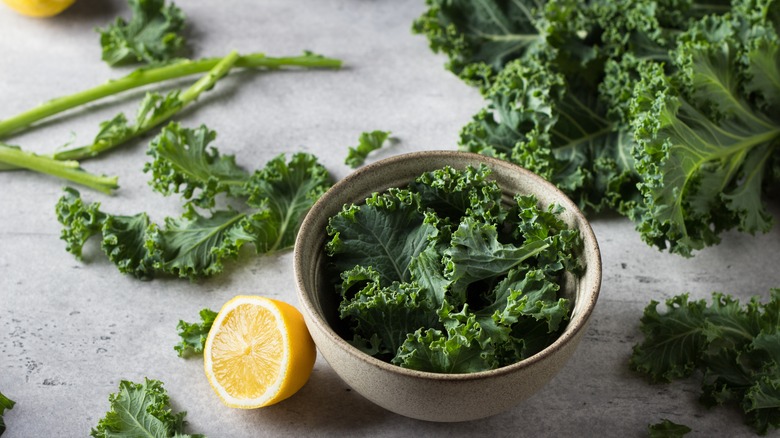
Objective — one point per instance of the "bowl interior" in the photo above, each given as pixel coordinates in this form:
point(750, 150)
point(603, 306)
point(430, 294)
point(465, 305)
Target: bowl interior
point(320, 303)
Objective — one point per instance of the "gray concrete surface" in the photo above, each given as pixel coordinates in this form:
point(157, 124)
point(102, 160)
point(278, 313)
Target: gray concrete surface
point(70, 330)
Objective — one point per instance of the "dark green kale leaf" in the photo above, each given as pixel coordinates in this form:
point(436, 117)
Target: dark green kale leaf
point(127, 241)
point(141, 409)
point(456, 350)
point(443, 276)
point(5, 403)
point(559, 128)
point(80, 221)
point(662, 111)
point(475, 254)
point(515, 308)
point(193, 335)
point(182, 163)
point(735, 347)
point(282, 192)
point(152, 35)
point(667, 429)
point(453, 193)
point(708, 134)
point(367, 143)
point(385, 233)
point(382, 317)
point(480, 38)
point(196, 244)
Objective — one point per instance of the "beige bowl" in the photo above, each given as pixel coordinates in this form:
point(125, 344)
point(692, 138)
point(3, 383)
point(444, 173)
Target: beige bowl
point(426, 395)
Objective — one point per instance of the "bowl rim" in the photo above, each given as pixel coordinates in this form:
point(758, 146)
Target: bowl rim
point(573, 328)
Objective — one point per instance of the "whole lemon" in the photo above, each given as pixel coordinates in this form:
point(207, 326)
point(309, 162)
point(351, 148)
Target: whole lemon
point(39, 8)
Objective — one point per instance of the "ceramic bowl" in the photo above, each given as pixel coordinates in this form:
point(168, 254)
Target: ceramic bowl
point(425, 395)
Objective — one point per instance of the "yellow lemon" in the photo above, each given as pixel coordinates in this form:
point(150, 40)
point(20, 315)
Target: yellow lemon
point(258, 352)
point(39, 8)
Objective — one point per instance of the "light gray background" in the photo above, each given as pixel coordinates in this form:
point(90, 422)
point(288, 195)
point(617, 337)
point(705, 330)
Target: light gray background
point(70, 330)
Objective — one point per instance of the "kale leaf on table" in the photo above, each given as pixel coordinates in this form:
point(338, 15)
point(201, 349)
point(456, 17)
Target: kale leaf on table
point(141, 409)
point(667, 429)
point(367, 143)
point(442, 276)
point(152, 35)
point(193, 335)
point(5, 403)
point(665, 112)
point(735, 348)
point(196, 244)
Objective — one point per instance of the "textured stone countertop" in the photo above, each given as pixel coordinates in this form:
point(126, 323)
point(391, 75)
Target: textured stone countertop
point(71, 330)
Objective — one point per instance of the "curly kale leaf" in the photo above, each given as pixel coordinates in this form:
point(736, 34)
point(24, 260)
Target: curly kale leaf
point(453, 193)
point(476, 254)
point(5, 403)
point(127, 243)
point(455, 350)
point(523, 314)
point(734, 346)
point(667, 429)
point(152, 35)
point(193, 335)
point(80, 221)
point(480, 38)
point(385, 233)
point(382, 317)
point(662, 111)
point(141, 409)
point(196, 244)
point(557, 127)
point(367, 143)
point(443, 276)
point(707, 136)
point(183, 163)
point(282, 192)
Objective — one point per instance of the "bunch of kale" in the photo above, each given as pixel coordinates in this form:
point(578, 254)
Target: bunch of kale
point(666, 111)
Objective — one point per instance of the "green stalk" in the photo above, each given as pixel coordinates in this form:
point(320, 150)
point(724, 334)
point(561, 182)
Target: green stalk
point(205, 83)
point(150, 75)
point(68, 170)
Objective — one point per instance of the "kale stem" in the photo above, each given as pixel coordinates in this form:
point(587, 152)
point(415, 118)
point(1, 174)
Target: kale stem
point(150, 75)
point(189, 95)
point(68, 170)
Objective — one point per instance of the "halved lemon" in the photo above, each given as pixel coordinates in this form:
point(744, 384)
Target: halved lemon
point(258, 352)
point(39, 8)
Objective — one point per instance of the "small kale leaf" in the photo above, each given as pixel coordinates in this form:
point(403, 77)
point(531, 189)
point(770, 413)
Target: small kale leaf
point(193, 335)
point(80, 221)
point(141, 409)
point(367, 143)
point(182, 163)
point(476, 254)
point(5, 403)
point(282, 192)
point(152, 35)
point(667, 429)
point(389, 312)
